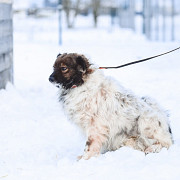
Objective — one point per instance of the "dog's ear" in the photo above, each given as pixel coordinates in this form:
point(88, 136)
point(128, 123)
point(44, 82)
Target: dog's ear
point(58, 55)
point(82, 62)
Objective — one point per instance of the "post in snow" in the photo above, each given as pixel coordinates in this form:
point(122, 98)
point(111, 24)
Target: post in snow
point(60, 21)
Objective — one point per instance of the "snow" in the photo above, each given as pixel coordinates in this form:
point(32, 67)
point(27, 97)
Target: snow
point(36, 139)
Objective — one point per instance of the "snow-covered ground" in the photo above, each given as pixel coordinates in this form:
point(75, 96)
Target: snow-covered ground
point(37, 142)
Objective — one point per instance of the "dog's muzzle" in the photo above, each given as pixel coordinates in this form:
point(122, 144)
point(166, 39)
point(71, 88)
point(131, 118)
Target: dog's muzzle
point(51, 78)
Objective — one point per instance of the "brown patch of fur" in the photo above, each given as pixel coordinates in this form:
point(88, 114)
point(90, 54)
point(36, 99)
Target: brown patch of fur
point(132, 143)
point(103, 93)
point(89, 142)
point(92, 121)
point(151, 137)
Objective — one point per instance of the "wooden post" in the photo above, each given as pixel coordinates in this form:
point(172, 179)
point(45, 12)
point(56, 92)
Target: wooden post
point(126, 14)
point(60, 21)
point(147, 18)
point(6, 43)
point(172, 21)
point(143, 14)
point(164, 20)
point(132, 14)
point(157, 19)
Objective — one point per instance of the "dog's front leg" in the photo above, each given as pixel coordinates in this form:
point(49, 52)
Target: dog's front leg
point(93, 147)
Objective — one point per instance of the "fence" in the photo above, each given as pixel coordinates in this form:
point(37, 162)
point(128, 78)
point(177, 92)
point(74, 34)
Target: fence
point(158, 19)
point(127, 14)
point(6, 43)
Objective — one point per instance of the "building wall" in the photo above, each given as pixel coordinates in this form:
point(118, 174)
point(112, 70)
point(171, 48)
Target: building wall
point(6, 43)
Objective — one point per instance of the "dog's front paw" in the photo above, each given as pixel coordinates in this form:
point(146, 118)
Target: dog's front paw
point(79, 157)
point(88, 155)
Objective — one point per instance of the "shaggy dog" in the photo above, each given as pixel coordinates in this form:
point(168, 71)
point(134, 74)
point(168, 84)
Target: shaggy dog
point(109, 115)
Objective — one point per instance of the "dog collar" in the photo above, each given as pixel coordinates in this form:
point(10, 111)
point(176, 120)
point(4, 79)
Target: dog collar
point(73, 86)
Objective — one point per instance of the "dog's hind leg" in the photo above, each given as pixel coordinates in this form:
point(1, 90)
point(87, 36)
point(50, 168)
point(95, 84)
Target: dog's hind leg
point(155, 148)
point(132, 142)
point(138, 143)
point(156, 129)
point(144, 144)
point(163, 139)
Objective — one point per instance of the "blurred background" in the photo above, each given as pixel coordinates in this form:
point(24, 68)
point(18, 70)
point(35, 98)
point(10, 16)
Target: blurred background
point(51, 21)
point(156, 19)
point(59, 22)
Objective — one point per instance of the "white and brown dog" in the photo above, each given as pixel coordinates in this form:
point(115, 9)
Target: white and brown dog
point(109, 115)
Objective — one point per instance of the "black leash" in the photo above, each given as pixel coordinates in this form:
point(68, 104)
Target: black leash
point(142, 60)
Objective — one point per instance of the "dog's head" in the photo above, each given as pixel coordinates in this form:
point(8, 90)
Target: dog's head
point(69, 70)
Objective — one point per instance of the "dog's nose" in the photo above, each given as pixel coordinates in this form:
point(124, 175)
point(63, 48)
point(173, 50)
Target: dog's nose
point(51, 78)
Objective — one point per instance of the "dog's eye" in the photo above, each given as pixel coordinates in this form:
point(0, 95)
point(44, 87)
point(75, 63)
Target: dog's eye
point(63, 69)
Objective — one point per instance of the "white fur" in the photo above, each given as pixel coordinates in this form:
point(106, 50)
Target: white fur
point(112, 117)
